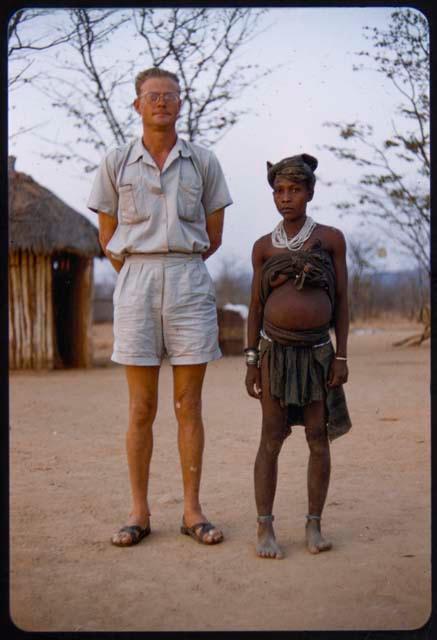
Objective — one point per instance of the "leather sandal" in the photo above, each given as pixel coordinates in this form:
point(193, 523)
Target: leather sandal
point(136, 533)
point(198, 532)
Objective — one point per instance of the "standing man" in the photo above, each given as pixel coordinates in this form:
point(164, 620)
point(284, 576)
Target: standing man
point(161, 201)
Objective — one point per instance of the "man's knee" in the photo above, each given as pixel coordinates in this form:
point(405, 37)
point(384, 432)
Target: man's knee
point(142, 411)
point(187, 406)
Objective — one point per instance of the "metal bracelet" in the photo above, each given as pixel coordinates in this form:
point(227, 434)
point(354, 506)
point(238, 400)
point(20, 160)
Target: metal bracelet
point(252, 356)
point(341, 358)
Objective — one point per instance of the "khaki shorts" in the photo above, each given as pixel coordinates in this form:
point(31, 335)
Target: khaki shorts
point(164, 305)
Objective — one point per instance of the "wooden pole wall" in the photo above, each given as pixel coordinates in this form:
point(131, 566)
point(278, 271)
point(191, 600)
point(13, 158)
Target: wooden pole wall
point(15, 304)
point(50, 324)
point(13, 355)
point(26, 312)
point(31, 323)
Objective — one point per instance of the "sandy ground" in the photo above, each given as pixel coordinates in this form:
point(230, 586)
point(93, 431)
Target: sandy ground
point(69, 491)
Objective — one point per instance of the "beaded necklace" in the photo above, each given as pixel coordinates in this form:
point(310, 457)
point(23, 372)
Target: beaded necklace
point(280, 240)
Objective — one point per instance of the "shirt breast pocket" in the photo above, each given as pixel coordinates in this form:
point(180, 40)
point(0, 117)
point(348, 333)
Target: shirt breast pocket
point(190, 190)
point(132, 203)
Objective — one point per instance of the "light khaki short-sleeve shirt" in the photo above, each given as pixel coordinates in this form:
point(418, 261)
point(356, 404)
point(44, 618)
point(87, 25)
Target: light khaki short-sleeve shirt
point(159, 211)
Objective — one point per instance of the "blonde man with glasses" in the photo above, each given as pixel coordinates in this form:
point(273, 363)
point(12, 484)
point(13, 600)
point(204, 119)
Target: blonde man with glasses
point(160, 201)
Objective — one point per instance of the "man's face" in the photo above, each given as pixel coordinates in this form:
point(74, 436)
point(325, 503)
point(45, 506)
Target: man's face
point(291, 197)
point(160, 115)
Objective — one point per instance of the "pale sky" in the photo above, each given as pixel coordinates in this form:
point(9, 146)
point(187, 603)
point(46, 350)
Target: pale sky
point(315, 84)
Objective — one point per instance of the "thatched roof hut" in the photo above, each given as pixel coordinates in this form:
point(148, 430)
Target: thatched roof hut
point(51, 251)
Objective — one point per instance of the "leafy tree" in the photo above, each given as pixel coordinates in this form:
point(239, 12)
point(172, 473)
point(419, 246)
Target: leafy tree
point(393, 188)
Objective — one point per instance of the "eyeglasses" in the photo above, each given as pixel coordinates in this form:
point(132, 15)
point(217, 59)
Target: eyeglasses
point(152, 97)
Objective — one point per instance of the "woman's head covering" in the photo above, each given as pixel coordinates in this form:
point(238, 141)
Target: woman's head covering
point(300, 168)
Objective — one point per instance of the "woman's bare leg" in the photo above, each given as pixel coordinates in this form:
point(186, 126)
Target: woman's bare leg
point(319, 470)
point(274, 431)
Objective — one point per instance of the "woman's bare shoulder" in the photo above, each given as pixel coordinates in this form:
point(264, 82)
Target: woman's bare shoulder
point(262, 246)
point(331, 236)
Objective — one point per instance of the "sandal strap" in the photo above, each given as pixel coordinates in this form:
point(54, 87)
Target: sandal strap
point(134, 530)
point(311, 517)
point(205, 526)
point(269, 518)
point(132, 527)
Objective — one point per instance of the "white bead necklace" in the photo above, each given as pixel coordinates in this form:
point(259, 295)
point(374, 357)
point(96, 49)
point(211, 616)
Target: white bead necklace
point(280, 240)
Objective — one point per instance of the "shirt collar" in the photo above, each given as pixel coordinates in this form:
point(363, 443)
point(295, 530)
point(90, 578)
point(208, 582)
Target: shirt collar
point(138, 151)
point(184, 149)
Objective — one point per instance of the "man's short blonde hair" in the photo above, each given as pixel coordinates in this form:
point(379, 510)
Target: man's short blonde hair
point(153, 72)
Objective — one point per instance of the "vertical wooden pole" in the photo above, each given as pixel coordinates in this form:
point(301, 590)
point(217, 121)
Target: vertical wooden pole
point(27, 363)
point(37, 321)
point(42, 299)
point(57, 360)
point(41, 306)
point(31, 268)
point(49, 313)
point(42, 324)
point(18, 306)
point(11, 305)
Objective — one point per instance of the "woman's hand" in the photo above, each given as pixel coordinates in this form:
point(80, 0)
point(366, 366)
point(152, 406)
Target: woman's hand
point(253, 381)
point(338, 373)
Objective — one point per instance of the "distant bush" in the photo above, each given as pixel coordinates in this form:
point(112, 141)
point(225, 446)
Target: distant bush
point(401, 293)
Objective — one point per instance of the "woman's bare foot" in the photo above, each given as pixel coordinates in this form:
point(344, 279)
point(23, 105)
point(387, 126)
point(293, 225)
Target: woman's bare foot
point(315, 541)
point(267, 546)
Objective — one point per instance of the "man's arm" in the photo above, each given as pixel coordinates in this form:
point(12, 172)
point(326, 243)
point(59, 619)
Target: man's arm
point(107, 227)
point(339, 369)
point(254, 321)
point(214, 229)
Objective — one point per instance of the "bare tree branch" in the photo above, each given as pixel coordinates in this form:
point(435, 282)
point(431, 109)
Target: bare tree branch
point(201, 45)
point(22, 38)
point(394, 182)
point(26, 37)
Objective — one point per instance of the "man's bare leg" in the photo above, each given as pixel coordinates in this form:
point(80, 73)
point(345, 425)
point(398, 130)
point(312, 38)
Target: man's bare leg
point(143, 402)
point(188, 381)
point(319, 470)
point(274, 430)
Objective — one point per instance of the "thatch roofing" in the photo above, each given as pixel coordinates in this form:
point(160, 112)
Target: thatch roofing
point(41, 222)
